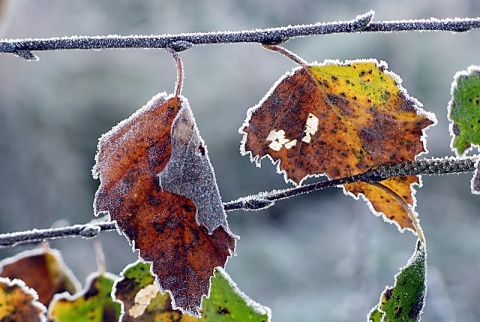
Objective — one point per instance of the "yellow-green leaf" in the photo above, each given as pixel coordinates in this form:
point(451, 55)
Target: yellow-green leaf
point(19, 302)
point(93, 304)
point(340, 119)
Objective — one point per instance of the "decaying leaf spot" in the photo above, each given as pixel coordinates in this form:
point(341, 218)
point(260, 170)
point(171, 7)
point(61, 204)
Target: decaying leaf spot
point(184, 233)
point(143, 299)
point(225, 303)
point(278, 140)
point(350, 117)
point(137, 278)
point(18, 302)
point(310, 128)
point(43, 270)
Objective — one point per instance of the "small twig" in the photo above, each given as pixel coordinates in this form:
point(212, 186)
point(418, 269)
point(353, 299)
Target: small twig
point(100, 254)
point(266, 199)
point(272, 36)
point(432, 24)
point(37, 235)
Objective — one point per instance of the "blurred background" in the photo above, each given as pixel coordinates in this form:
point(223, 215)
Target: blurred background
point(318, 257)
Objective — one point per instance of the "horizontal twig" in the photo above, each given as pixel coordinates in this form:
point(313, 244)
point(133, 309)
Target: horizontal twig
point(37, 235)
point(265, 199)
point(271, 36)
point(24, 47)
point(421, 167)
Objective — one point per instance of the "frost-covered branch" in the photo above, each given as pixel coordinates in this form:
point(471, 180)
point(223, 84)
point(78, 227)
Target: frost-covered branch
point(265, 199)
point(37, 235)
point(272, 36)
point(421, 167)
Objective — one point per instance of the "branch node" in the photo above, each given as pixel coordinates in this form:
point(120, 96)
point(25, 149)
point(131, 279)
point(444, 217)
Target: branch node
point(180, 45)
point(275, 39)
point(89, 231)
point(257, 204)
point(26, 54)
point(361, 22)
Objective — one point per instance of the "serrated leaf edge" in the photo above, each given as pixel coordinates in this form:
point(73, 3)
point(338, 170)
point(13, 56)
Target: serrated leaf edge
point(29, 291)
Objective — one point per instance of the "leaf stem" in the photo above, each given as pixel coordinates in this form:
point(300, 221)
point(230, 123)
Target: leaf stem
point(100, 254)
point(289, 54)
point(262, 200)
point(180, 72)
point(273, 36)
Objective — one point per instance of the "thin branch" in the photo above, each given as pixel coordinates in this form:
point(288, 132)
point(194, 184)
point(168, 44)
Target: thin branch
point(24, 47)
point(266, 199)
point(37, 235)
point(421, 167)
point(271, 36)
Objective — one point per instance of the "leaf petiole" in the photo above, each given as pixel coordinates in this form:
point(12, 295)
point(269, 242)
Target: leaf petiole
point(180, 72)
point(287, 53)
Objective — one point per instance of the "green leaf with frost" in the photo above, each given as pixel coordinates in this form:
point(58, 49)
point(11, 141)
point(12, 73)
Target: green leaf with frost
point(464, 110)
point(406, 299)
point(228, 303)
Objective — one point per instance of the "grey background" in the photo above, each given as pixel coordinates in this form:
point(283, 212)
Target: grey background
point(319, 257)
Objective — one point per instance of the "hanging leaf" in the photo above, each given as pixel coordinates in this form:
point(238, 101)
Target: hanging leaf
point(92, 304)
point(340, 119)
point(157, 183)
point(406, 299)
point(464, 115)
point(43, 270)
point(18, 302)
point(143, 301)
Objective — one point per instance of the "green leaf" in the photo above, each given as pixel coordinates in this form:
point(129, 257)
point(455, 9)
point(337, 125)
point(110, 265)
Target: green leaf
point(228, 303)
point(464, 110)
point(142, 300)
point(406, 299)
point(94, 303)
point(375, 315)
